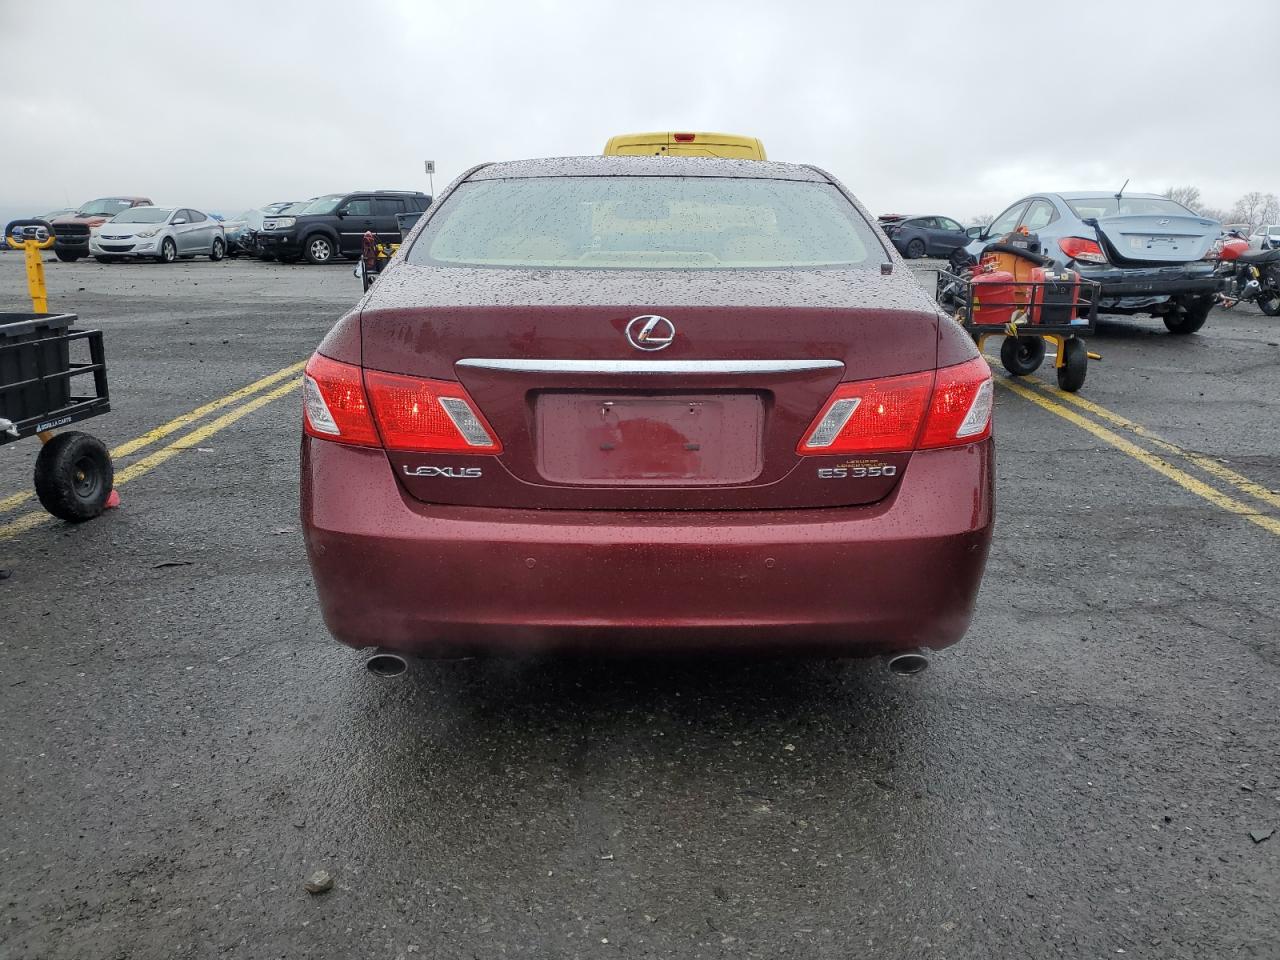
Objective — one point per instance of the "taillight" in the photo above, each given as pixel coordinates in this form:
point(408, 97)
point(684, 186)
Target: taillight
point(427, 416)
point(1086, 251)
point(334, 405)
point(683, 137)
point(370, 408)
point(867, 416)
point(960, 411)
point(898, 414)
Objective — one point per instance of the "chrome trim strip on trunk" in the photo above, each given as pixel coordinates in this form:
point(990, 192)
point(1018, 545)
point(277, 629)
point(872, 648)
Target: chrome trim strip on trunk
point(642, 367)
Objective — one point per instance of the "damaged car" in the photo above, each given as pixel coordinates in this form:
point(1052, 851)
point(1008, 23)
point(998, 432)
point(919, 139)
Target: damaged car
point(1151, 254)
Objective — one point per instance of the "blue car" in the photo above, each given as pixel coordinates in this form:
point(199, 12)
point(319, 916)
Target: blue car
point(1146, 251)
point(923, 236)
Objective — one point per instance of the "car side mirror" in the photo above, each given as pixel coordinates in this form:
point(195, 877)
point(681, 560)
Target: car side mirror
point(342, 213)
point(178, 221)
point(976, 233)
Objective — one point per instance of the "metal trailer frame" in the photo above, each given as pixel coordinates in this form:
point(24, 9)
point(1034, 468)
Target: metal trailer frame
point(955, 293)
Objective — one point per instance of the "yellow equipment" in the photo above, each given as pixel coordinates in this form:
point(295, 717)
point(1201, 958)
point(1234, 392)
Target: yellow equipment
point(726, 145)
point(34, 237)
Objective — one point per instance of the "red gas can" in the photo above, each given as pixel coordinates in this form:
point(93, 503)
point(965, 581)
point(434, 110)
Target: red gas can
point(996, 297)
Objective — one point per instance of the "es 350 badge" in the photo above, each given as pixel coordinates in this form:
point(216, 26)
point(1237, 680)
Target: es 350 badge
point(858, 470)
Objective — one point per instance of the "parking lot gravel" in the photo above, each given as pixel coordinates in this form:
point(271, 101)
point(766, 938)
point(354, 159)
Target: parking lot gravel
point(182, 747)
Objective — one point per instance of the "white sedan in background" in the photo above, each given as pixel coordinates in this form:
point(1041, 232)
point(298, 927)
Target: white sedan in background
point(1267, 238)
point(159, 233)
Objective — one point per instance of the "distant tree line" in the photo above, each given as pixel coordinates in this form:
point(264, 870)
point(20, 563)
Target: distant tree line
point(1255, 208)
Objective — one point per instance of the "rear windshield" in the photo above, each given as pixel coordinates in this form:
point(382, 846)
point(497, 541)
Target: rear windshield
point(1127, 207)
point(143, 215)
point(647, 223)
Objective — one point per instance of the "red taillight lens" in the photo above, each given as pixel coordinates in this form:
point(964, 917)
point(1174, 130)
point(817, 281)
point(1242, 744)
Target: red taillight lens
point(334, 404)
point(683, 137)
point(897, 414)
point(868, 416)
point(428, 416)
point(960, 411)
point(342, 402)
point(1078, 248)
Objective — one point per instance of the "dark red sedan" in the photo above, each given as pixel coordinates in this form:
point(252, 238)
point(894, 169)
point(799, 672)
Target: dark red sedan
point(647, 404)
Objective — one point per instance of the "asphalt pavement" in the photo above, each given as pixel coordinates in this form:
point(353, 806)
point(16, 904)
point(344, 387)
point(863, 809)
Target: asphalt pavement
point(1086, 775)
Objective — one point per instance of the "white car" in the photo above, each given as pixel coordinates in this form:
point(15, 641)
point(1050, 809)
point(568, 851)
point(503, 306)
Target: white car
point(159, 233)
point(1267, 238)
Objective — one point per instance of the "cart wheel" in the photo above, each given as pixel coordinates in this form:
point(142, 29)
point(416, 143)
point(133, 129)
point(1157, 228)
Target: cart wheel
point(1075, 364)
point(1022, 356)
point(74, 476)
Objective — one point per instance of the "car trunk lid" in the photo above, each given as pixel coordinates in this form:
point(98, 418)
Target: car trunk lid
point(587, 420)
point(1150, 238)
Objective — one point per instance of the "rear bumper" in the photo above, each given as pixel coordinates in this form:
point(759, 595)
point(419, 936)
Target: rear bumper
point(447, 580)
point(1197, 278)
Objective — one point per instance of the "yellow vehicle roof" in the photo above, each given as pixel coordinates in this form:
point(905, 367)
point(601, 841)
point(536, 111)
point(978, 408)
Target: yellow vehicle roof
point(690, 144)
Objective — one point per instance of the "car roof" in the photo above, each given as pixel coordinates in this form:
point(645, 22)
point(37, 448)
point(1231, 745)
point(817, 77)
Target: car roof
point(600, 166)
point(1100, 195)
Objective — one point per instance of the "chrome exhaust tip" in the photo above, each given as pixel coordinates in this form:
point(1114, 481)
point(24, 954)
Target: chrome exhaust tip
point(909, 663)
point(383, 664)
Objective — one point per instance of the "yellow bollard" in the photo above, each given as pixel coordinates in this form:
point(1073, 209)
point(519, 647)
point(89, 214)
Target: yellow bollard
point(32, 247)
point(35, 279)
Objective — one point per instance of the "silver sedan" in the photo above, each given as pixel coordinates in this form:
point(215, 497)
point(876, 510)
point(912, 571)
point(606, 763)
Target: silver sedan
point(160, 233)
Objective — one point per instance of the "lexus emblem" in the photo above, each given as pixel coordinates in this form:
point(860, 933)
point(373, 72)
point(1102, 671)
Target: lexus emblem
point(650, 332)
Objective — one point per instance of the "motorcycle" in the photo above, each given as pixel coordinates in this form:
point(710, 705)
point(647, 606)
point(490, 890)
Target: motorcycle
point(1248, 276)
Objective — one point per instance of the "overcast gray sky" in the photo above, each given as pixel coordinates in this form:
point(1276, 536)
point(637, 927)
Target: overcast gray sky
point(946, 107)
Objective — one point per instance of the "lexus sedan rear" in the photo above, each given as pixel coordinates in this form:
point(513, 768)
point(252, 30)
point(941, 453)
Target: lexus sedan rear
point(625, 404)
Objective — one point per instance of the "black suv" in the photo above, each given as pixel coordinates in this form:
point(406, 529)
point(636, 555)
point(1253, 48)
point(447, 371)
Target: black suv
point(336, 224)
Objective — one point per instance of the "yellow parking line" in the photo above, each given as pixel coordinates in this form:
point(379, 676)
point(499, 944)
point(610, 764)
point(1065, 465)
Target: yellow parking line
point(1207, 464)
point(176, 424)
point(1147, 458)
point(164, 454)
point(15, 500)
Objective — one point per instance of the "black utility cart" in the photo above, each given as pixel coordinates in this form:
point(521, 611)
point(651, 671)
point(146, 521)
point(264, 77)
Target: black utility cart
point(51, 376)
point(1030, 300)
